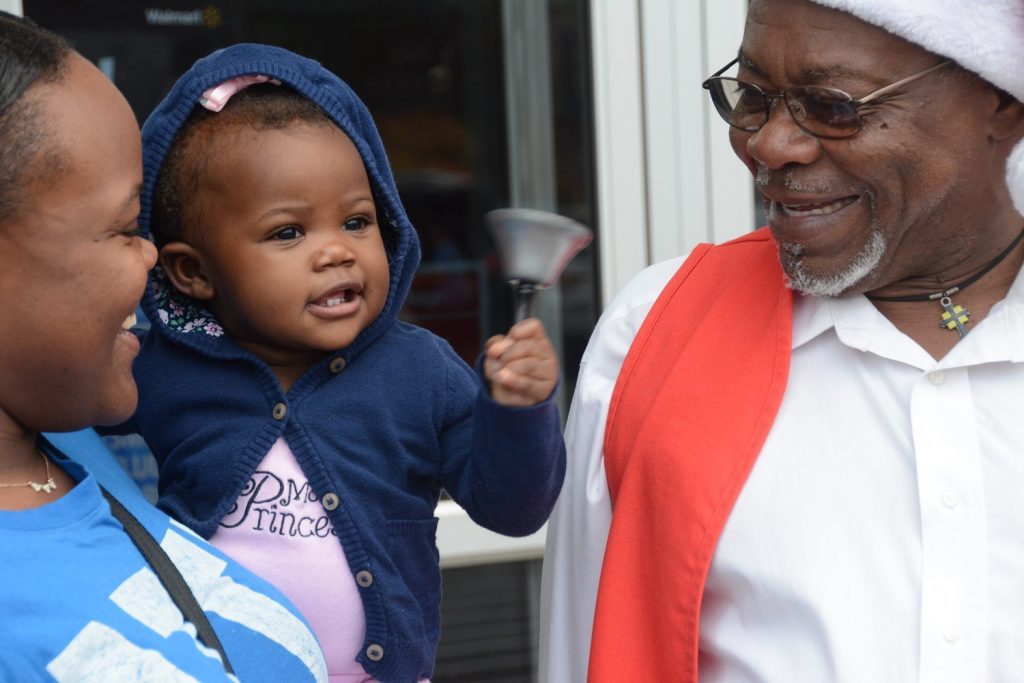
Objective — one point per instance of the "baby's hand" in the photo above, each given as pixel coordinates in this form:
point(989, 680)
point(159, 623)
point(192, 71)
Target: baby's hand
point(521, 367)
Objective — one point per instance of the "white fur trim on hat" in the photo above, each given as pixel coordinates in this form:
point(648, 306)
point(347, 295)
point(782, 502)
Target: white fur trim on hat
point(983, 36)
point(1015, 176)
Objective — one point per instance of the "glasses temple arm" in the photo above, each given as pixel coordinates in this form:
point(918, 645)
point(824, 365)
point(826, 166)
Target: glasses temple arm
point(900, 83)
point(719, 72)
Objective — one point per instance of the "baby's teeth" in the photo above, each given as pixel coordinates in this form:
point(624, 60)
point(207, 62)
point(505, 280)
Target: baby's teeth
point(333, 301)
point(129, 322)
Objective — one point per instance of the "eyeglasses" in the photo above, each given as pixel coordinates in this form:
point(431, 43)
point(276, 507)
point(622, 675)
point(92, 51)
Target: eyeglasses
point(823, 112)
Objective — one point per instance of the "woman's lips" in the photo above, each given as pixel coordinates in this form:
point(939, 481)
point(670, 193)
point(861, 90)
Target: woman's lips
point(126, 335)
point(129, 338)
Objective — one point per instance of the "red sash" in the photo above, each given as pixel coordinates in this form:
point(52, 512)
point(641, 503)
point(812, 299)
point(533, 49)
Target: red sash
point(693, 404)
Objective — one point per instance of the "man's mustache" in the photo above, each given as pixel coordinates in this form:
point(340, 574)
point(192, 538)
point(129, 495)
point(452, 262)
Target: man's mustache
point(785, 178)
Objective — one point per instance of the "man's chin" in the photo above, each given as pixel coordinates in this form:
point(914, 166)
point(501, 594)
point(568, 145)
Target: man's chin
point(842, 279)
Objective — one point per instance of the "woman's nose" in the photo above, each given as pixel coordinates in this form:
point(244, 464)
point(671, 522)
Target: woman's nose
point(149, 252)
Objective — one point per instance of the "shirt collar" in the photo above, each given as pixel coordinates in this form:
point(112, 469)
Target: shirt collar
point(858, 324)
point(811, 317)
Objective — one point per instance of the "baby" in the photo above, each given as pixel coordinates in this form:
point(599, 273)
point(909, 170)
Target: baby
point(297, 423)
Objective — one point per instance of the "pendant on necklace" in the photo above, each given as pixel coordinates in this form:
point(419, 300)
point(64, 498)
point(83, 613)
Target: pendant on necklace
point(48, 487)
point(954, 317)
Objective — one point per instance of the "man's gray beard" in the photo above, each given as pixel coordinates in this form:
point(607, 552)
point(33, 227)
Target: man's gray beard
point(798, 279)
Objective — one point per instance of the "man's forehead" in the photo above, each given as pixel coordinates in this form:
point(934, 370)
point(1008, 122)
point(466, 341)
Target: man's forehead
point(813, 23)
point(805, 42)
point(982, 36)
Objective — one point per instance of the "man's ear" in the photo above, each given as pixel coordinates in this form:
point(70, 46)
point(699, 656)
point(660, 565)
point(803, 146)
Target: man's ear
point(1008, 121)
point(185, 269)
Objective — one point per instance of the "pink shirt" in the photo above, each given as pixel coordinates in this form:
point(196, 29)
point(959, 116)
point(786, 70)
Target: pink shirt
point(279, 530)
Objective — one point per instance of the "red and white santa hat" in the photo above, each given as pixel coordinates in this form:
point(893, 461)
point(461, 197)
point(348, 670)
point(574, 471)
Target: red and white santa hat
point(983, 36)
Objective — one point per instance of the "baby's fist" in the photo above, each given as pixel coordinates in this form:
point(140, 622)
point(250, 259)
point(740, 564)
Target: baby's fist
point(520, 367)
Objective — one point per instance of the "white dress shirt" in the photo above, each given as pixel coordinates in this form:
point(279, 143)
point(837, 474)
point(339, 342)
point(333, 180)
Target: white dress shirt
point(880, 535)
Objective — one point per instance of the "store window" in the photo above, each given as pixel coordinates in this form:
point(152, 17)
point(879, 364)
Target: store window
point(450, 88)
point(481, 104)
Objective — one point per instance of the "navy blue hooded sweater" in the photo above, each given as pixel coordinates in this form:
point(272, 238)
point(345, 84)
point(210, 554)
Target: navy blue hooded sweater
point(379, 427)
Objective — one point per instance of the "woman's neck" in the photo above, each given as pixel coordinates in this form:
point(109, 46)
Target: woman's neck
point(25, 472)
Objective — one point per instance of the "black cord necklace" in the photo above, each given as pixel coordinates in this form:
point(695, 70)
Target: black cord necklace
point(955, 317)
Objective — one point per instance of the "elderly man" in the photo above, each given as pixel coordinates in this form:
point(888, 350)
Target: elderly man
point(800, 455)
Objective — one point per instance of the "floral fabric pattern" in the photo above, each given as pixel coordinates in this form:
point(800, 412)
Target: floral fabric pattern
point(181, 313)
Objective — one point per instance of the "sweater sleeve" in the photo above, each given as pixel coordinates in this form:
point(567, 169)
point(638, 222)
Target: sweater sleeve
point(503, 464)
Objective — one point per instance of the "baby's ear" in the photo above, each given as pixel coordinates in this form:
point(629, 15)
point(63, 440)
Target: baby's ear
point(185, 269)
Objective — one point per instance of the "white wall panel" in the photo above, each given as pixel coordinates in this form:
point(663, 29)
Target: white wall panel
point(619, 140)
point(663, 154)
point(730, 189)
point(673, 57)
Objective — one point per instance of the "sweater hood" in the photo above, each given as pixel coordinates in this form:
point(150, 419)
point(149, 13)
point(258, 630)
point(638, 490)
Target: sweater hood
point(186, 320)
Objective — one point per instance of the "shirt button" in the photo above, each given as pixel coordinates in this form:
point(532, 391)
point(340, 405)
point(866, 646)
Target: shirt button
point(364, 578)
point(375, 652)
point(280, 410)
point(330, 501)
point(936, 378)
point(950, 499)
point(951, 635)
point(337, 365)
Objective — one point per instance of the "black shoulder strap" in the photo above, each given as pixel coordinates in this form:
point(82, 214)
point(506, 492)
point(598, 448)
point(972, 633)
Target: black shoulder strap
point(169, 576)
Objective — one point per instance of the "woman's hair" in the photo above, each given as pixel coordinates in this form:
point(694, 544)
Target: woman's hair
point(28, 55)
point(176, 213)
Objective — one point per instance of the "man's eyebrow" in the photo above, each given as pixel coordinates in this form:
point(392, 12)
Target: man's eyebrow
point(821, 73)
point(814, 74)
point(746, 63)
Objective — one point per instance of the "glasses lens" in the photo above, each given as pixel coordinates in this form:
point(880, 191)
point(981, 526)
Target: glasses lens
point(823, 111)
point(741, 104)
